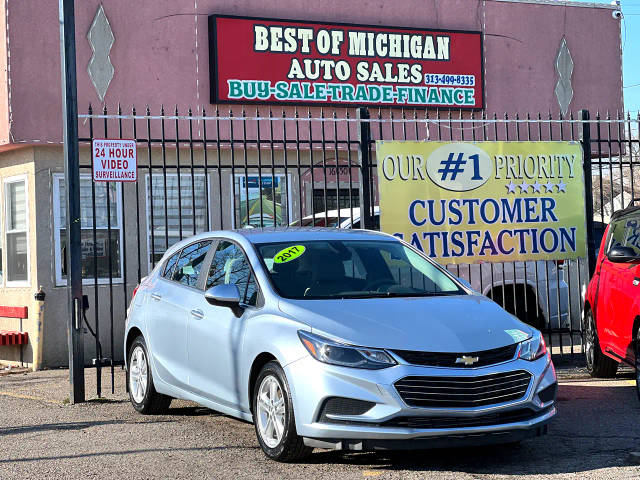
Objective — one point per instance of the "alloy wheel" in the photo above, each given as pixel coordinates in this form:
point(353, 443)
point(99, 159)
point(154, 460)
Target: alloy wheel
point(271, 411)
point(590, 341)
point(138, 374)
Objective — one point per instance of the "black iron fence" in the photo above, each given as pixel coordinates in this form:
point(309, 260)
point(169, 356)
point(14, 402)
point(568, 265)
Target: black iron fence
point(315, 167)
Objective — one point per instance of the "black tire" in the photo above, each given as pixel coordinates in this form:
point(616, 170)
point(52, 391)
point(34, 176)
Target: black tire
point(638, 363)
point(152, 402)
point(290, 447)
point(598, 364)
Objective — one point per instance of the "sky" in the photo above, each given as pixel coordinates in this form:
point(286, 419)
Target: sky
point(630, 53)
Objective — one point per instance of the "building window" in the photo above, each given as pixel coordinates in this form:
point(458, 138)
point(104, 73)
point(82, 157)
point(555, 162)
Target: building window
point(261, 201)
point(17, 232)
point(170, 216)
point(332, 199)
point(106, 250)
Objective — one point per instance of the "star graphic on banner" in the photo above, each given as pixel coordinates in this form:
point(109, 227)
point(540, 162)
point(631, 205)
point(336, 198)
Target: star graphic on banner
point(562, 187)
point(549, 186)
point(511, 187)
point(536, 187)
point(524, 187)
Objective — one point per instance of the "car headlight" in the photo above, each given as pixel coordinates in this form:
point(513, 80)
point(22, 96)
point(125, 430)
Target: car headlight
point(328, 351)
point(533, 349)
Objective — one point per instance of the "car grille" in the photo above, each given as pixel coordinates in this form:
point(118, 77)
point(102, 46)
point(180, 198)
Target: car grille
point(497, 418)
point(445, 359)
point(460, 392)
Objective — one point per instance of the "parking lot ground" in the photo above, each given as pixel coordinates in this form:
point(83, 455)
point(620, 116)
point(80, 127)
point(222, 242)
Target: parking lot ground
point(42, 436)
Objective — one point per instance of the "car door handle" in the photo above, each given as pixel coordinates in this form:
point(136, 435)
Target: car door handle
point(636, 281)
point(156, 297)
point(199, 314)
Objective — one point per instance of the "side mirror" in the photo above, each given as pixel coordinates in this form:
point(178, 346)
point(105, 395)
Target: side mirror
point(622, 255)
point(226, 295)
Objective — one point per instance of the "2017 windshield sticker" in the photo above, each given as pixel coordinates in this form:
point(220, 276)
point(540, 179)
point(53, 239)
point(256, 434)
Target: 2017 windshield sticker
point(289, 253)
point(517, 335)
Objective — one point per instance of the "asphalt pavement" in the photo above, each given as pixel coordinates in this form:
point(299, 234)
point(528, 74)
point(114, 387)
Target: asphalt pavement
point(42, 436)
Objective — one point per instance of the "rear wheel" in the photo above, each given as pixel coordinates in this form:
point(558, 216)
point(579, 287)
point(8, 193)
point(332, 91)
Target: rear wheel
point(142, 394)
point(598, 364)
point(273, 416)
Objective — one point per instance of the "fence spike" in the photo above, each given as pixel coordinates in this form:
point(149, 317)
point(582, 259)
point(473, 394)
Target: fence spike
point(90, 109)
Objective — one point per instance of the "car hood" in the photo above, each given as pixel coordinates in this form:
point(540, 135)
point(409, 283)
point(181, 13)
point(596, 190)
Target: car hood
point(464, 323)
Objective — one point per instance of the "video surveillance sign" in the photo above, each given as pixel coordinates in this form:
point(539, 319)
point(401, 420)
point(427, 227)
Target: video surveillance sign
point(114, 160)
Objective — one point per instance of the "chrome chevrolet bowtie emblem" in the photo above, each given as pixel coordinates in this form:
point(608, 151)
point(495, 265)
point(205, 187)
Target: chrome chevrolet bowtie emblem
point(467, 360)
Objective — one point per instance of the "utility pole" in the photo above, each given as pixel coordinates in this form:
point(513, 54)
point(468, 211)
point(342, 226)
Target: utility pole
point(72, 186)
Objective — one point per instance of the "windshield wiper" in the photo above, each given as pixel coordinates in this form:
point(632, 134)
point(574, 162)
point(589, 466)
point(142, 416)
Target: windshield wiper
point(403, 294)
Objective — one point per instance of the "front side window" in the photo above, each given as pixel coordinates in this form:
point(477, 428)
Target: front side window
point(16, 230)
point(189, 264)
point(353, 269)
point(171, 215)
point(101, 247)
point(230, 266)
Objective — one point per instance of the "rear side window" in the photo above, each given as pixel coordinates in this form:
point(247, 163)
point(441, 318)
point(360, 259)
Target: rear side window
point(230, 266)
point(189, 263)
point(168, 268)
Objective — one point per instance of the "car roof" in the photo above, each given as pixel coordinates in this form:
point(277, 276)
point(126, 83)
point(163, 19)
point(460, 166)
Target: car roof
point(624, 212)
point(284, 234)
point(281, 234)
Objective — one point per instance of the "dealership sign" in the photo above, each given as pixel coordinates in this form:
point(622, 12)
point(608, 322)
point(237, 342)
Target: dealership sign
point(463, 202)
point(254, 60)
point(114, 160)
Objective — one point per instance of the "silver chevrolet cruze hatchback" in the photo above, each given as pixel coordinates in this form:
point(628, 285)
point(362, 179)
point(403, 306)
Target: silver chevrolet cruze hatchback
point(333, 339)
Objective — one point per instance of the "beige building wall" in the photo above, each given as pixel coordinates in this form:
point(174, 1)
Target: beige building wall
point(18, 162)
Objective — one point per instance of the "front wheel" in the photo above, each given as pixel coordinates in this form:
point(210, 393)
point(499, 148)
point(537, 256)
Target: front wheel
point(273, 416)
point(598, 364)
point(638, 363)
point(142, 393)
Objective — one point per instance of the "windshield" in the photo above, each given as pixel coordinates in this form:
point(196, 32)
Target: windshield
point(352, 269)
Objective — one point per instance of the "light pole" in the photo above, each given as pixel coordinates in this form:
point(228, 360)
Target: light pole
point(72, 185)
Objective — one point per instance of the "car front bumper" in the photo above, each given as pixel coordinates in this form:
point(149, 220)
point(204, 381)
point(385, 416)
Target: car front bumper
point(312, 382)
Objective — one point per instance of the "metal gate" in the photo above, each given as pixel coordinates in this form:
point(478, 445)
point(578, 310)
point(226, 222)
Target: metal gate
point(315, 167)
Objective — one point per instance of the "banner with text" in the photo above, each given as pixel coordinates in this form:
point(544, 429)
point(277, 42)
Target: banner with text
point(254, 60)
point(470, 202)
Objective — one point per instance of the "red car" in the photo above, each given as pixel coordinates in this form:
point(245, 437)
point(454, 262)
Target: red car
point(612, 303)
